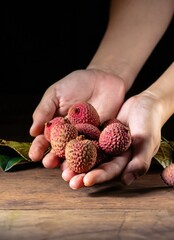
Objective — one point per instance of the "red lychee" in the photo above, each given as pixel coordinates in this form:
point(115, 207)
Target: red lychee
point(80, 154)
point(83, 112)
point(101, 155)
point(60, 135)
point(88, 130)
point(115, 138)
point(112, 120)
point(168, 175)
point(50, 124)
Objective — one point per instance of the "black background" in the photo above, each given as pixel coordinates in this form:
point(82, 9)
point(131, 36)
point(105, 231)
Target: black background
point(44, 41)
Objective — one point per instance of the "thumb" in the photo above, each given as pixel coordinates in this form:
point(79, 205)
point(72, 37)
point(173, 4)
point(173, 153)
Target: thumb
point(43, 113)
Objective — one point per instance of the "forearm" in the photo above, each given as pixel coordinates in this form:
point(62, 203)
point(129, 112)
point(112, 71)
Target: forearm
point(163, 93)
point(134, 29)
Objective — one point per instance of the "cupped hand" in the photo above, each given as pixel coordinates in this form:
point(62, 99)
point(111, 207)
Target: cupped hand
point(142, 113)
point(104, 91)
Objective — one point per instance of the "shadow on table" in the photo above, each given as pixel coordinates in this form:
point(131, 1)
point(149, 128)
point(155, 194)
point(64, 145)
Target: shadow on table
point(137, 189)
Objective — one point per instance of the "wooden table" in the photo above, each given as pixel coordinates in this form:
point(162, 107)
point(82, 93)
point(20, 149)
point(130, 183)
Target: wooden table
point(37, 203)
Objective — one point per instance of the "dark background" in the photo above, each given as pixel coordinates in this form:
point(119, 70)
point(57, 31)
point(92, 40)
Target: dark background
point(44, 41)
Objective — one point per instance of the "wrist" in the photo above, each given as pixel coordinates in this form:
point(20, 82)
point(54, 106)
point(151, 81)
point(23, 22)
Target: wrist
point(120, 69)
point(160, 106)
point(162, 90)
point(154, 104)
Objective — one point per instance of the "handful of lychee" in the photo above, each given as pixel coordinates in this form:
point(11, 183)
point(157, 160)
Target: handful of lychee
point(83, 141)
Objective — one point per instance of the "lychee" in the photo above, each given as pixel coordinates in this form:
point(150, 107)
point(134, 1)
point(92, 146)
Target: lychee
point(101, 155)
point(88, 130)
point(60, 135)
point(107, 122)
point(83, 112)
point(168, 175)
point(50, 124)
point(115, 138)
point(81, 154)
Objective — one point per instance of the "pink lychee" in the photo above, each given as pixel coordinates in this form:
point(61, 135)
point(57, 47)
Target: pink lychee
point(168, 175)
point(60, 135)
point(107, 122)
point(102, 157)
point(88, 130)
point(50, 124)
point(115, 138)
point(80, 154)
point(83, 112)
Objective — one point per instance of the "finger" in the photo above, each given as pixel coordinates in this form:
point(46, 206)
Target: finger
point(51, 160)
point(136, 168)
point(44, 112)
point(67, 174)
point(140, 163)
point(77, 181)
point(38, 148)
point(64, 166)
point(107, 171)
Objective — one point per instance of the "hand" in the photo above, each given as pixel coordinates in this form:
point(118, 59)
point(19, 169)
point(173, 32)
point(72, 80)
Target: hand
point(104, 91)
point(142, 113)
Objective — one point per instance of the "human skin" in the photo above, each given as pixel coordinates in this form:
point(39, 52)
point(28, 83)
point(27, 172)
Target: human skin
point(134, 29)
point(63, 94)
point(145, 114)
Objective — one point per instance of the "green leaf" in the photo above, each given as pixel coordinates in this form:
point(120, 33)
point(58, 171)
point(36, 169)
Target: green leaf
point(21, 148)
point(165, 153)
point(12, 153)
point(6, 162)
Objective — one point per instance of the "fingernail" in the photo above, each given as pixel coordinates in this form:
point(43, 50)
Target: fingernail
point(128, 178)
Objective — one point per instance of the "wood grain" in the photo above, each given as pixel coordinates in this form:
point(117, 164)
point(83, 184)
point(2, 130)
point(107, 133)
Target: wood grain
point(37, 203)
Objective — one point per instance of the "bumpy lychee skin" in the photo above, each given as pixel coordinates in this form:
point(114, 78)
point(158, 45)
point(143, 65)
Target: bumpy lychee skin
point(50, 124)
point(115, 138)
point(102, 157)
point(83, 112)
point(167, 175)
point(80, 154)
point(107, 122)
point(88, 130)
point(60, 135)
